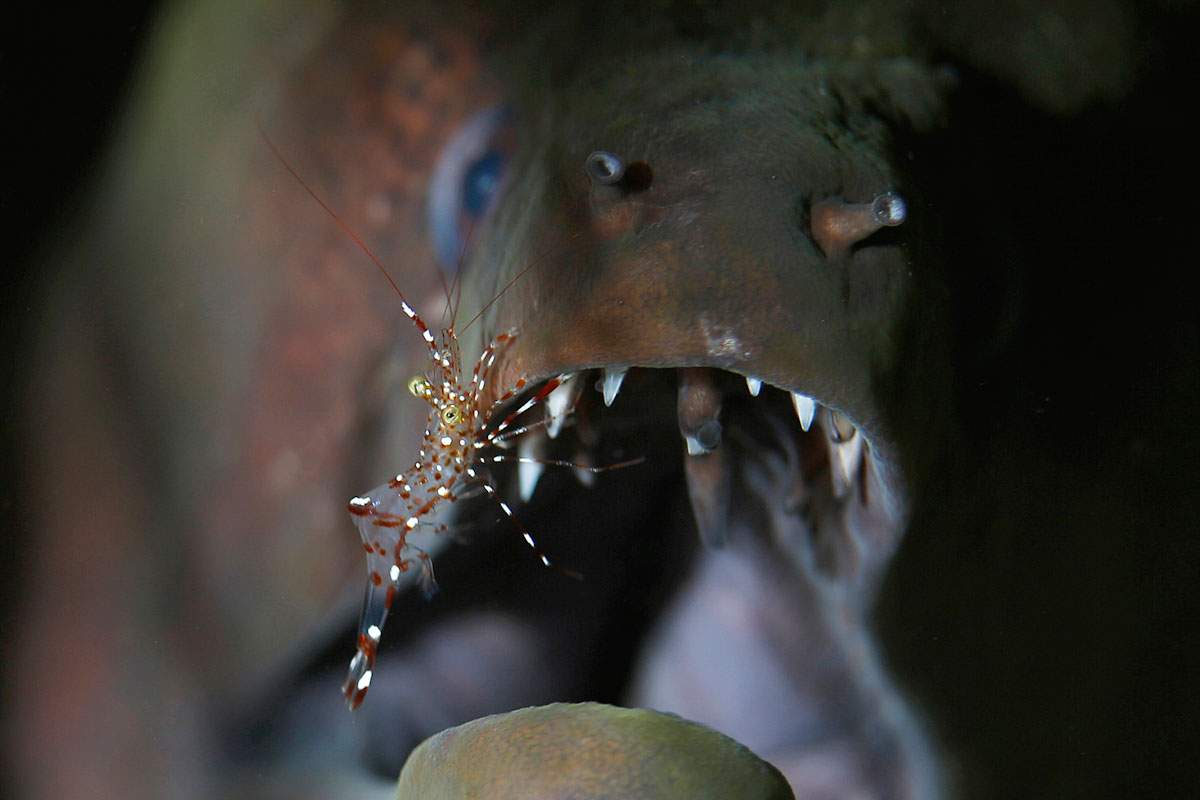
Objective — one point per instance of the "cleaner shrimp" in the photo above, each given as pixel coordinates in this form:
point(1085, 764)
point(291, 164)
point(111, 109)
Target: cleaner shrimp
point(448, 463)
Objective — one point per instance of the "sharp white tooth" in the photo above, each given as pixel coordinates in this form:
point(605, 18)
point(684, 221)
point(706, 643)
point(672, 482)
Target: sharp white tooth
point(612, 383)
point(558, 402)
point(840, 428)
point(754, 385)
point(704, 439)
point(529, 472)
point(844, 462)
point(806, 408)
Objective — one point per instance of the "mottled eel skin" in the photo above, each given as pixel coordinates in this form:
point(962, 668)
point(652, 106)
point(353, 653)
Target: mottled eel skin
point(219, 370)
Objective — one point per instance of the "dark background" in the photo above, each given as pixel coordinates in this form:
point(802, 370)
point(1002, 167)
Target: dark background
point(65, 78)
point(1041, 603)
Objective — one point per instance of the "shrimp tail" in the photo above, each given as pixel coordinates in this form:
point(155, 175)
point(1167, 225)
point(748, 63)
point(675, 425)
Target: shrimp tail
point(377, 602)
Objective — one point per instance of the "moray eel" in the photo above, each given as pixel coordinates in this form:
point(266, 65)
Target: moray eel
point(729, 236)
point(715, 223)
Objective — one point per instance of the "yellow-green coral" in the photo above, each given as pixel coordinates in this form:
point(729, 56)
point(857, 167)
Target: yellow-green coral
point(586, 751)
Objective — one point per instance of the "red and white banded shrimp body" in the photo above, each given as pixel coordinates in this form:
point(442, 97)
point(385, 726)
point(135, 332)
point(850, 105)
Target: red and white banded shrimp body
point(456, 431)
point(446, 465)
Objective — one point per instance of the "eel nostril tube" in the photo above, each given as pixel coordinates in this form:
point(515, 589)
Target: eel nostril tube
point(836, 225)
point(605, 168)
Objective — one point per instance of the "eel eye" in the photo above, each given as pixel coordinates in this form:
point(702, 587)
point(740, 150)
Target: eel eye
point(452, 415)
point(419, 386)
point(468, 175)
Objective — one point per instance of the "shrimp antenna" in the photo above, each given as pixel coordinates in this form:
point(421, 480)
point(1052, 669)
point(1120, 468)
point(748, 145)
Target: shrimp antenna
point(520, 275)
point(404, 305)
point(456, 284)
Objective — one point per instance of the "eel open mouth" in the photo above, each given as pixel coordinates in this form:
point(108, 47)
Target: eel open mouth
point(741, 324)
point(799, 514)
point(750, 450)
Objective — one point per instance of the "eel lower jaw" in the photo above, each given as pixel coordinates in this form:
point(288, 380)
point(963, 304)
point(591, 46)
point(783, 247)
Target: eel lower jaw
point(777, 460)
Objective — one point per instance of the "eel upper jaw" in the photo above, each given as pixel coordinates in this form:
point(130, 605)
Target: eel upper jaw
point(706, 301)
point(781, 268)
point(770, 376)
point(743, 441)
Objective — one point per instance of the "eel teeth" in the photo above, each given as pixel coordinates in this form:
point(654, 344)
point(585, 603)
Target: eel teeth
point(611, 383)
point(558, 404)
point(705, 439)
point(698, 407)
point(529, 471)
point(754, 385)
point(806, 409)
point(709, 491)
point(845, 452)
point(841, 429)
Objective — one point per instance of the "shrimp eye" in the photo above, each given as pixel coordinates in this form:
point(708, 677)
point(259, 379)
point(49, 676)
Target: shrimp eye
point(419, 386)
point(452, 415)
